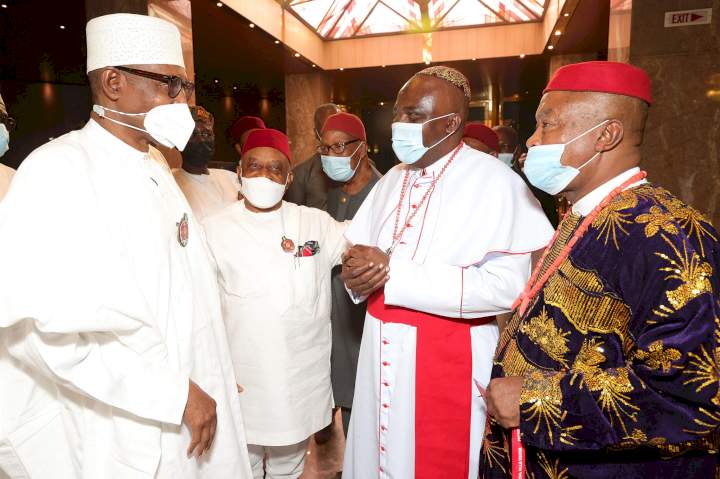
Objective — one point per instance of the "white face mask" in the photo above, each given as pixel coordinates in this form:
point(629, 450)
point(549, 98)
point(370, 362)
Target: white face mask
point(261, 192)
point(407, 140)
point(170, 125)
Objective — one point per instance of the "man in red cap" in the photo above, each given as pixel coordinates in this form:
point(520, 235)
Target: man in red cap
point(240, 130)
point(609, 365)
point(274, 261)
point(344, 156)
point(481, 138)
point(310, 186)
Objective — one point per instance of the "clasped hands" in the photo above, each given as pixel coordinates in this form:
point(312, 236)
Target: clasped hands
point(365, 269)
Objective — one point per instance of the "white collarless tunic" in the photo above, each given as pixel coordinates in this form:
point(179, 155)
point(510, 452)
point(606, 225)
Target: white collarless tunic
point(104, 317)
point(277, 313)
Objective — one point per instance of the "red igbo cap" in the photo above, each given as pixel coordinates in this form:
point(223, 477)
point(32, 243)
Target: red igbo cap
point(484, 134)
point(347, 123)
point(243, 124)
point(269, 138)
point(602, 77)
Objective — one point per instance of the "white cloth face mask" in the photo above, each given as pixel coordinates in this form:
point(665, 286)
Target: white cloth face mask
point(262, 192)
point(170, 125)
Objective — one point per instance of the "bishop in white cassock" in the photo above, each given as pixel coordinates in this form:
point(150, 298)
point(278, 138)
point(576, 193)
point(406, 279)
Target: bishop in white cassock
point(449, 234)
point(274, 262)
point(208, 190)
point(114, 362)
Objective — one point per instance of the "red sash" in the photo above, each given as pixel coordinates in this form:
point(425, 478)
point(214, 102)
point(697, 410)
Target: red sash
point(443, 385)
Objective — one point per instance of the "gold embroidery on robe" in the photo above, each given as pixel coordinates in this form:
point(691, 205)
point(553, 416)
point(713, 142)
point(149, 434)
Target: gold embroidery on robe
point(659, 357)
point(612, 383)
point(494, 453)
point(689, 218)
point(513, 361)
point(691, 270)
point(656, 220)
point(566, 228)
point(551, 340)
point(542, 399)
point(581, 297)
point(611, 219)
point(553, 470)
point(704, 368)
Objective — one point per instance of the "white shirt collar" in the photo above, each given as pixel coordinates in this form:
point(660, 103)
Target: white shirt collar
point(587, 203)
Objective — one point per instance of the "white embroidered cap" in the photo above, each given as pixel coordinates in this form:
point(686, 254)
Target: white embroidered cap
point(127, 39)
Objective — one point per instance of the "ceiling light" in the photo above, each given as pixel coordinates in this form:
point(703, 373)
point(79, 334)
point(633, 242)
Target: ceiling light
point(558, 33)
point(314, 66)
point(474, 59)
point(234, 88)
point(341, 68)
point(219, 4)
point(522, 55)
point(4, 5)
point(252, 25)
point(277, 42)
point(383, 66)
point(62, 27)
point(382, 103)
point(297, 55)
point(217, 81)
point(566, 14)
point(550, 47)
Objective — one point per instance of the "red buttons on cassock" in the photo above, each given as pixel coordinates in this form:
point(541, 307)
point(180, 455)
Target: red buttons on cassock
point(386, 405)
point(382, 449)
point(383, 428)
point(385, 363)
point(413, 206)
point(385, 341)
point(408, 225)
point(386, 384)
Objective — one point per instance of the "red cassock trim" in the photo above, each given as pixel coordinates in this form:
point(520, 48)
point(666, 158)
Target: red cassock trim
point(443, 388)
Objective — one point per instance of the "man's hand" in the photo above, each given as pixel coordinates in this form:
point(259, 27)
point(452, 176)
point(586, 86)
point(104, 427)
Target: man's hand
point(503, 400)
point(239, 388)
point(201, 418)
point(365, 269)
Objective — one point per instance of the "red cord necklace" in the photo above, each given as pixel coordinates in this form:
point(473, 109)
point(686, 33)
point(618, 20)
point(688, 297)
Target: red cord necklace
point(397, 235)
point(532, 288)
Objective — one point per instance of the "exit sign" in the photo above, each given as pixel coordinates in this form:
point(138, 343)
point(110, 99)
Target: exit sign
point(686, 18)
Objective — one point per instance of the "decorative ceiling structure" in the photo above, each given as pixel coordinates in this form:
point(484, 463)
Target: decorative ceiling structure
point(336, 19)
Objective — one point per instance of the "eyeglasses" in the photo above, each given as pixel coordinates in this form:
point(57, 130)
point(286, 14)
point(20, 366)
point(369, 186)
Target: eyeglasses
point(336, 148)
point(9, 122)
point(175, 83)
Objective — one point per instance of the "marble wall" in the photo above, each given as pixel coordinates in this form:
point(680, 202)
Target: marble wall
point(304, 92)
point(681, 150)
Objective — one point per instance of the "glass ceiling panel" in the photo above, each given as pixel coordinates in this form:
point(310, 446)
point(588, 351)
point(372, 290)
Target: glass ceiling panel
point(383, 20)
point(334, 19)
point(312, 11)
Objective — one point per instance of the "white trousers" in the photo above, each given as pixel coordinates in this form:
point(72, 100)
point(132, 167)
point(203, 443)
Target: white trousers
point(278, 461)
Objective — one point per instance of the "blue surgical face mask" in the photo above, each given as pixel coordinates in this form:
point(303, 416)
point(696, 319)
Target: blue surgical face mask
point(407, 140)
point(339, 168)
point(544, 169)
point(506, 158)
point(4, 139)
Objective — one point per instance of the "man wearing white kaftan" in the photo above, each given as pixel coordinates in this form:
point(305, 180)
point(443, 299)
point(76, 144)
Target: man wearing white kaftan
point(276, 296)
point(110, 320)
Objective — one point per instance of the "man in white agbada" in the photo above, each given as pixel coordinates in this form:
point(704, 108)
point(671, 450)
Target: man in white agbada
point(441, 245)
point(208, 190)
point(274, 260)
point(6, 173)
point(114, 361)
